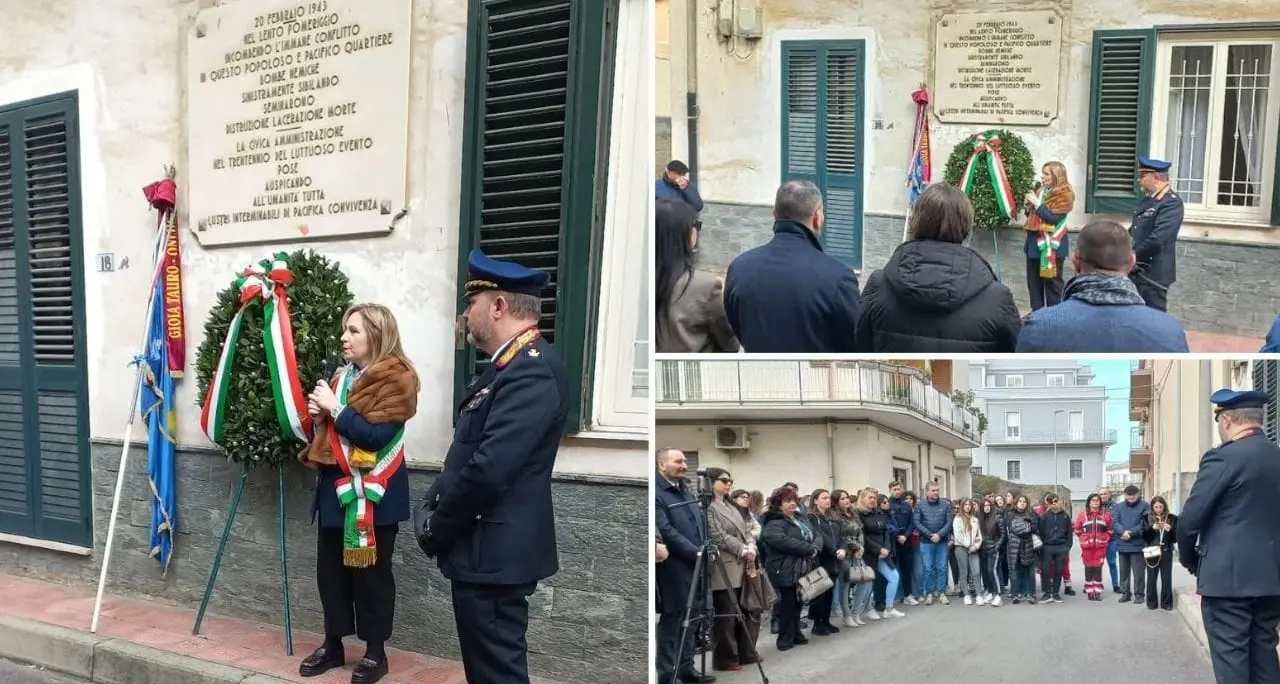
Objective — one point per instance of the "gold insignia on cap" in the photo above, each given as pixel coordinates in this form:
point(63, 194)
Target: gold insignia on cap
point(534, 352)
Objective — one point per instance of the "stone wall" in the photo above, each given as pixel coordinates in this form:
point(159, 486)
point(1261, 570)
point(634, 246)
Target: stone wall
point(1222, 288)
point(662, 145)
point(589, 623)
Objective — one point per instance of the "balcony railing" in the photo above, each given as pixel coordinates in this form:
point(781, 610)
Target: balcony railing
point(1139, 440)
point(808, 383)
point(1064, 437)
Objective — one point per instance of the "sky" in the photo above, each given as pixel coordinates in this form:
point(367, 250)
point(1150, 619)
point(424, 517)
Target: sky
point(1113, 374)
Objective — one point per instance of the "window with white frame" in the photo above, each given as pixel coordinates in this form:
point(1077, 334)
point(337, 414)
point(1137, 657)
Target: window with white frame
point(1013, 381)
point(1013, 427)
point(1056, 380)
point(1075, 469)
point(975, 470)
point(1215, 117)
point(1013, 470)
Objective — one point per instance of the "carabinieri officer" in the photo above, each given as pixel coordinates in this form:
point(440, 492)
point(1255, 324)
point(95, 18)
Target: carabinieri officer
point(1155, 233)
point(488, 517)
point(1229, 538)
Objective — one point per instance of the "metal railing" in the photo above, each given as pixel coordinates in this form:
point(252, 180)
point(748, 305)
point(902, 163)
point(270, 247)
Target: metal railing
point(1067, 437)
point(809, 383)
point(1139, 439)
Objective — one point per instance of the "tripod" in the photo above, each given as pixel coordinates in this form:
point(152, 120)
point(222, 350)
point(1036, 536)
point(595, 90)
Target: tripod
point(706, 614)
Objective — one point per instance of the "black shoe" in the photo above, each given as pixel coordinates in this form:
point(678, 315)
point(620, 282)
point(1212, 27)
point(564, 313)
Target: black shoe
point(1046, 597)
point(804, 624)
point(832, 628)
point(1117, 590)
point(1139, 598)
point(321, 661)
point(1057, 599)
point(819, 631)
point(1168, 607)
point(695, 678)
point(1016, 600)
point(369, 671)
point(786, 647)
point(1068, 590)
point(802, 640)
point(773, 626)
point(1125, 598)
point(1031, 601)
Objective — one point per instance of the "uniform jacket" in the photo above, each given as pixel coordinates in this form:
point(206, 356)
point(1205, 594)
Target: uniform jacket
point(1232, 512)
point(1155, 234)
point(1101, 314)
point(789, 297)
point(682, 527)
point(491, 505)
point(731, 534)
point(695, 323)
point(1128, 517)
point(936, 297)
point(789, 544)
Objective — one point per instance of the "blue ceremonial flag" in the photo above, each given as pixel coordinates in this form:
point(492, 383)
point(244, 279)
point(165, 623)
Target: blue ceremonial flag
point(158, 411)
point(920, 170)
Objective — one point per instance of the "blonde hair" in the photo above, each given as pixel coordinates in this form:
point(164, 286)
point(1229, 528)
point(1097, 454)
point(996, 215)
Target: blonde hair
point(1058, 172)
point(382, 330)
point(966, 517)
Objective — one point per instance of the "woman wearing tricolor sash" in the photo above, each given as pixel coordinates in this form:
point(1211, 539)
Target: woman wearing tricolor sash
point(1046, 228)
point(362, 492)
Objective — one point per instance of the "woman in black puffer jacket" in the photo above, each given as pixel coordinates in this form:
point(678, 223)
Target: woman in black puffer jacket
point(935, 295)
point(878, 552)
point(791, 550)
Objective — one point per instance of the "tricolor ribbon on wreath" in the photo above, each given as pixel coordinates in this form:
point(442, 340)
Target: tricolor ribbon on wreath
point(986, 147)
point(263, 284)
point(363, 484)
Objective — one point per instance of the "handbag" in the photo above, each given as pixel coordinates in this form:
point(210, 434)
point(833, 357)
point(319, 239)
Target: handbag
point(860, 572)
point(757, 595)
point(1154, 553)
point(813, 584)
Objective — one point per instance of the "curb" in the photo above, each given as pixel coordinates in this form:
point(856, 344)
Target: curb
point(105, 660)
point(1191, 615)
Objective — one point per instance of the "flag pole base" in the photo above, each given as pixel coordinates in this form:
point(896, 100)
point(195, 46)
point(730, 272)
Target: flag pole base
point(284, 567)
point(222, 546)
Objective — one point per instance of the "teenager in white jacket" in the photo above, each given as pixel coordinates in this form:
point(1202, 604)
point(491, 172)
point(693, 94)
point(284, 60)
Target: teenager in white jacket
point(966, 534)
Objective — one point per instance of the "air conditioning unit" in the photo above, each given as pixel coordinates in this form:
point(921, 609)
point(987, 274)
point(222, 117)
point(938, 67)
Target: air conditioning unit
point(732, 438)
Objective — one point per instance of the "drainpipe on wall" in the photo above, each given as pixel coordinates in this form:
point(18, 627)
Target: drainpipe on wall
point(831, 451)
point(1177, 441)
point(691, 97)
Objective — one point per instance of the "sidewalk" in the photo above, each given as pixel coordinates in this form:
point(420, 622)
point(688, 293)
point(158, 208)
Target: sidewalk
point(141, 642)
point(1187, 603)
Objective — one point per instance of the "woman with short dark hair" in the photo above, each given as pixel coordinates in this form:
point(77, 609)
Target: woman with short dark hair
point(935, 294)
point(791, 551)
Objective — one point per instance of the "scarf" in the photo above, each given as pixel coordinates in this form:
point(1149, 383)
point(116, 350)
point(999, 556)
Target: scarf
point(1057, 200)
point(385, 392)
point(1102, 289)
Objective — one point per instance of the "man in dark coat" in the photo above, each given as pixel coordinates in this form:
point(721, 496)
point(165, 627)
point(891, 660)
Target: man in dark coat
point(1102, 311)
point(488, 517)
point(1155, 233)
point(1229, 538)
point(788, 296)
point(681, 524)
point(676, 185)
point(1126, 517)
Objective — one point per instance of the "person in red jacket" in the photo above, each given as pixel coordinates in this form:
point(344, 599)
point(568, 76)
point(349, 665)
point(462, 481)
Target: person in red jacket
point(1093, 529)
point(1066, 562)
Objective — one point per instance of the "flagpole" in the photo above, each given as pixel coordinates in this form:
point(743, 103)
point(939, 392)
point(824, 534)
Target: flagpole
point(128, 429)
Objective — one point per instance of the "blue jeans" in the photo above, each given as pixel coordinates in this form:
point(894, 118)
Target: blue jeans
point(840, 597)
point(860, 602)
point(1024, 580)
point(933, 558)
point(917, 574)
point(890, 574)
point(1111, 563)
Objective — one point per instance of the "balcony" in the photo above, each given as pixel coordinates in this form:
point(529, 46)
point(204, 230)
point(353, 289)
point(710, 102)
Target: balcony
point(1098, 437)
point(1141, 374)
point(897, 397)
point(1139, 451)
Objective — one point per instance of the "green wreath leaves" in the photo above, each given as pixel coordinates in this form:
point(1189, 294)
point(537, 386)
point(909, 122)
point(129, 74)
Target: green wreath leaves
point(318, 297)
point(1017, 165)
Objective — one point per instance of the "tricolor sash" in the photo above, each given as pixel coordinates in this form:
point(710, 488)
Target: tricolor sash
point(363, 485)
point(1048, 240)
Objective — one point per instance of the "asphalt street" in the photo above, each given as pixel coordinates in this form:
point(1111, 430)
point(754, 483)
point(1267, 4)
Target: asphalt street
point(1077, 640)
point(14, 673)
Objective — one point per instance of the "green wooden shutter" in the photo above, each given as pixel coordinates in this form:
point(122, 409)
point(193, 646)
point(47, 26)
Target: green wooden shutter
point(1266, 378)
point(822, 134)
point(531, 152)
point(1119, 118)
point(45, 462)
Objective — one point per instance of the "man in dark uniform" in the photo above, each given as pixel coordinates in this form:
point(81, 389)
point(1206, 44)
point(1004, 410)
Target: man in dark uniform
point(488, 517)
point(681, 523)
point(1155, 234)
point(1229, 538)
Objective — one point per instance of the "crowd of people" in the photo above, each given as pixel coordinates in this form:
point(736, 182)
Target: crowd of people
point(883, 551)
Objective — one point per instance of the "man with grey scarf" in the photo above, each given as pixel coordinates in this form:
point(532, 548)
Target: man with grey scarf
point(1101, 311)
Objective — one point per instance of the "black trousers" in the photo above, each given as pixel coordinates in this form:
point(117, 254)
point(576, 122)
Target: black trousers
point(820, 609)
point(1043, 291)
point(1163, 571)
point(788, 618)
point(879, 587)
point(359, 601)
point(1051, 569)
point(1155, 297)
point(906, 561)
point(955, 567)
point(668, 637)
point(492, 620)
point(1242, 638)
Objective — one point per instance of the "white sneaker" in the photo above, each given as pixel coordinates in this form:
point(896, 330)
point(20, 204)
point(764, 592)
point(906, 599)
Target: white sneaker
point(981, 600)
point(850, 622)
point(928, 599)
point(911, 601)
point(858, 621)
point(871, 615)
point(894, 612)
point(942, 598)
point(996, 601)
point(968, 600)
point(837, 612)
